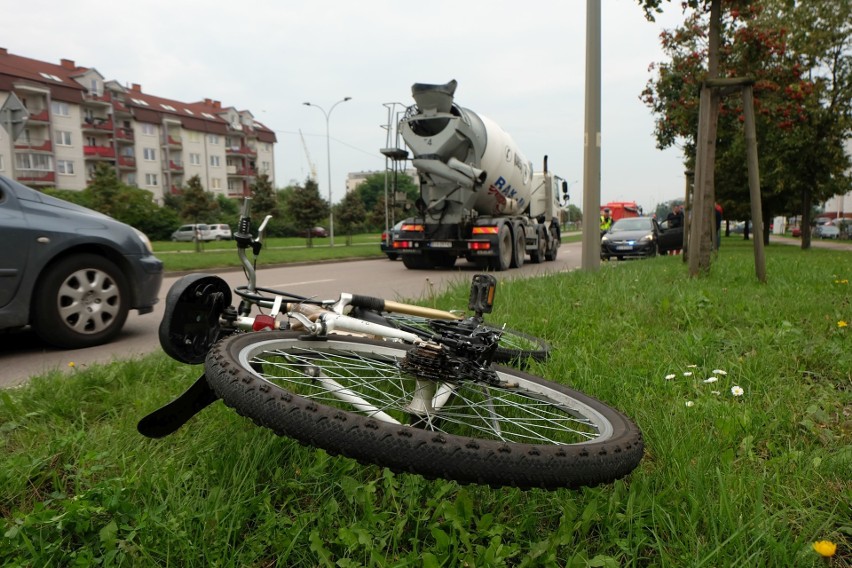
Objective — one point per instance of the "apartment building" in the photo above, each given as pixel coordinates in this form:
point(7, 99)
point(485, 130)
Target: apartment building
point(78, 119)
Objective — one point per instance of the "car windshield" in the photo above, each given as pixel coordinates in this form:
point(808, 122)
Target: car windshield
point(632, 224)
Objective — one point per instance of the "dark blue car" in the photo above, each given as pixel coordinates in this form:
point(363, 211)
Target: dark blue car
point(71, 273)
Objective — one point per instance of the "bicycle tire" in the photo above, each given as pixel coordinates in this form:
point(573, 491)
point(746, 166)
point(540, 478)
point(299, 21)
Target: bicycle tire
point(275, 378)
point(513, 346)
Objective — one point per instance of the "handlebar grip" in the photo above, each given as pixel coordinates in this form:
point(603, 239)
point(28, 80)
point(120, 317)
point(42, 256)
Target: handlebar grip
point(367, 302)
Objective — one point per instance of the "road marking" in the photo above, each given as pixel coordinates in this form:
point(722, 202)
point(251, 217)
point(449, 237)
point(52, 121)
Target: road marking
point(305, 283)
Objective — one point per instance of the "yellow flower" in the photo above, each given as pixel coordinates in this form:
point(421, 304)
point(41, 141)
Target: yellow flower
point(71, 364)
point(842, 323)
point(825, 548)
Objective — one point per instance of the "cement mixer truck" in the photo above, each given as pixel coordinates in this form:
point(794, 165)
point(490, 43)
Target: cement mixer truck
point(479, 197)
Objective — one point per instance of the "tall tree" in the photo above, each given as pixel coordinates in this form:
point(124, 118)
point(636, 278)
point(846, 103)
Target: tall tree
point(798, 54)
point(402, 193)
point(350, 214)
point(307, 208)
point(264, 201)
point(199, 206)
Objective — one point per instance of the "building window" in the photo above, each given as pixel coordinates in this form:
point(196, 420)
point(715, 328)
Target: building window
point(149, 129)
point(149, 154)
point(62, 138)
point(214, 161)
point(213, 139)
point(194, 136)
point(264, 167)
point(195, 159)
point(215, 183)
point(38, 162)
point(60, 108)
point(151, 180)
point(131, 179)
point(65, 167)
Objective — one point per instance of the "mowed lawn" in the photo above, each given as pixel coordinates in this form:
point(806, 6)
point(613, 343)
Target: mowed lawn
point(742, 391)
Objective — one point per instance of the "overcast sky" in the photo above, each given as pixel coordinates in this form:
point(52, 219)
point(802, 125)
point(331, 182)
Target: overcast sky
point(520, 64)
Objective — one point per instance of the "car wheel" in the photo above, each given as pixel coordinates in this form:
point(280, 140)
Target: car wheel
point(392, 256)
point(82, 300)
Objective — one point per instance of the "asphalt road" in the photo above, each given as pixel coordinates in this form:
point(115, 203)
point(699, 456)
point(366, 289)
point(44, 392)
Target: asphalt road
point(23, 354)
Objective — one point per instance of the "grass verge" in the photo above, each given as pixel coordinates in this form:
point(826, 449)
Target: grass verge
point(749, 480)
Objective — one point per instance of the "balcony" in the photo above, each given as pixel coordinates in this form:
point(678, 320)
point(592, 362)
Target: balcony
point(119, 107)
point(36, 146)
point(41, 116)
point(124, 135)
point(99, 152)
point(174, 141)
point(97, 123)
point(234, 171)
point(93, 98)
point(240, 151)
point(175, 166)
point(127, 162)
point(36, 177)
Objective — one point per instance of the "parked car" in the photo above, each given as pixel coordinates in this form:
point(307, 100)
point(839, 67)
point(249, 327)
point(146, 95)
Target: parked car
point(669, 237)
point(314, 232)
point(189, 233)
point(219, 233)
point(630, 237)
point(71, 273)
point(387, 241)
point(827, 231)
point(796, 231)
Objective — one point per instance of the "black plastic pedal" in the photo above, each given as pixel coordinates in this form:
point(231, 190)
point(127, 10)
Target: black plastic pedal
point(482, 290)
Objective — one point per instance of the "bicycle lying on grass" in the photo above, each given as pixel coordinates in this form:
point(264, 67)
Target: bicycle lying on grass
point(420, 396)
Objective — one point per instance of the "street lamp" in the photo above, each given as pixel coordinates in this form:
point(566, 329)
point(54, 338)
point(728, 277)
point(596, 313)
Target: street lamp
point(328, 157)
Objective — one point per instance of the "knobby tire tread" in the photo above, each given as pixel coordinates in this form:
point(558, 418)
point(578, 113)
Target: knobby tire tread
point(412, 450)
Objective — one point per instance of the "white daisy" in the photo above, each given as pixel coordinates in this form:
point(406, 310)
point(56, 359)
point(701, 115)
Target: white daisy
point(670, 377)
point(737, 391)
point(711, 380)
point(690, 403)
point(719, 372)
point(687, 374)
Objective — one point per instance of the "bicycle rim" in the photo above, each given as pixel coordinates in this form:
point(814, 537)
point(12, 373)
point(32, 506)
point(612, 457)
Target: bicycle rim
point(351, 398)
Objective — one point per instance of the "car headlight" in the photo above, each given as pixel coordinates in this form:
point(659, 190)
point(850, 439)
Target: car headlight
point(647, 238)
point(145, 241)
point(604, 239)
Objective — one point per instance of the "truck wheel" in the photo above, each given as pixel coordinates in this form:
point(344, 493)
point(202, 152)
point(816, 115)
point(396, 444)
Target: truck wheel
point(444, 260)
point(503, 260)
point(519, 248)
point(417, 262)
point(83, 300)
point(539, 253)
point(553, 245)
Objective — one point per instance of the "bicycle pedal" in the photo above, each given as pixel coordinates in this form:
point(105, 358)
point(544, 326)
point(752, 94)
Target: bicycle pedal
point(482, 290)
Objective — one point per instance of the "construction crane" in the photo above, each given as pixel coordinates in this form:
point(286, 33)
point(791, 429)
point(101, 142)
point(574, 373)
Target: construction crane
point(308, 156)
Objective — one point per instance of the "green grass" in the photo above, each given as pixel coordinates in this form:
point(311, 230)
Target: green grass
point(728, 481)
point(217, 254)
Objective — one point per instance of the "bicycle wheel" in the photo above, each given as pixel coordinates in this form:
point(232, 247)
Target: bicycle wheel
point(347, 395)
point(513, 345)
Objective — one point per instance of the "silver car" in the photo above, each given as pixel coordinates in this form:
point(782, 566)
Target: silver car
point(194, 232)
point(827, 231)
point(71, 273)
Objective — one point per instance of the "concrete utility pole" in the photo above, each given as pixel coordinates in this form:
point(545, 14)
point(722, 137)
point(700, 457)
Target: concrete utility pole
point(591, 259)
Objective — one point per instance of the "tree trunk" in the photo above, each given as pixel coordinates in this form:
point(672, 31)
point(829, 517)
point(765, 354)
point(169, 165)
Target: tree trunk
point(806, 219)
point(702, 234)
